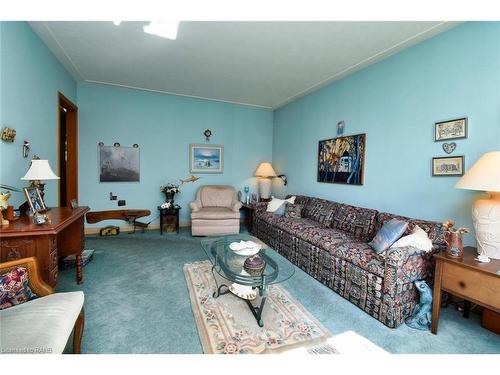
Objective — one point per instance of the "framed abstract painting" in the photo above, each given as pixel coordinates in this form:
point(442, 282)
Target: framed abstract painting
point(206, 159)
point(341, 160)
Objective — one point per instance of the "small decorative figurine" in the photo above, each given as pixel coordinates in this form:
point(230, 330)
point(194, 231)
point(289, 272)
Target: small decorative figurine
point(8, 134)
point(39, 218)
point(4, 204)
point(454, 239)
point(207, 133)
point(422, 316)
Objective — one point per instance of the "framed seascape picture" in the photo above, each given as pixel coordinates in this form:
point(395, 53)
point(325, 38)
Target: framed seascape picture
point(451, 129)
point(341, 160)
point(34, 199)
point(118, 164)
point(448, 166)
point(206, 158)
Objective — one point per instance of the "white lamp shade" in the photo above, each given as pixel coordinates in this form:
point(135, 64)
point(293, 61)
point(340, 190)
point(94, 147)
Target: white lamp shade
point(265, 170)
point(40, 170)
point(484, 175)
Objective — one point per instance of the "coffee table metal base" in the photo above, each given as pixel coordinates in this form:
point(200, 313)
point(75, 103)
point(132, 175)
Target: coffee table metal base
point(256, 310)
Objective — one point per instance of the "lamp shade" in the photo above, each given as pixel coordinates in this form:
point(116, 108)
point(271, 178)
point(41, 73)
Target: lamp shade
point(265, 170)
point(484, 175)
point(40, 170)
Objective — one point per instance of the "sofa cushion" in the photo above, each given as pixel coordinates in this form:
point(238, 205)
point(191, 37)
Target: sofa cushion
point(295, 226)
point(321, 210)
point(44, 323)
point(293, 210)
point(360, 254)
point(215, 213)
point(359, 221)
point(390, 232)
point(433, 229)
point(216, 196)
point(14, 288)
point(324, 237)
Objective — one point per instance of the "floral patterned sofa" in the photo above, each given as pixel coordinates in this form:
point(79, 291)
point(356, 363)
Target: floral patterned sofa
point(330, 242)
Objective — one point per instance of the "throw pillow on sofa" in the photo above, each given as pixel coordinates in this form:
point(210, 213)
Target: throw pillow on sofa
point(14, 288)
point(418, 239)
point(293, 210)
point(275, 203)
point(390, 232)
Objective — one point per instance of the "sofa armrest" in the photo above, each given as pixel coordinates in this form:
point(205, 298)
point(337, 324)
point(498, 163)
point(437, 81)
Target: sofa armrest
point(195, 206)
point(260, 207)
point(236, 205)
point(404, 265)
point(35, 282)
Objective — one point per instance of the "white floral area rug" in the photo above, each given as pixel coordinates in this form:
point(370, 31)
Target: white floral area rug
point(227, 326)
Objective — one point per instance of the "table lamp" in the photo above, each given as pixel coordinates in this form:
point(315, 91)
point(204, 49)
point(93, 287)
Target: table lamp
point(38, 172)
point(265, 171)
point(484, 175)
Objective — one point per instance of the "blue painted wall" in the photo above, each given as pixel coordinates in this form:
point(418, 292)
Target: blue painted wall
point(396, 102)
point(164, 126)
point(30, 78)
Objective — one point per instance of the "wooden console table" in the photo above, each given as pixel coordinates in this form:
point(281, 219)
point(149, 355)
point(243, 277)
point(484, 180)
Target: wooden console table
point(62, 235)
point(468, 279)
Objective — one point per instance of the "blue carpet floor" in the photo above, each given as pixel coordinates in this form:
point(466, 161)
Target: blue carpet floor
point(136, 301)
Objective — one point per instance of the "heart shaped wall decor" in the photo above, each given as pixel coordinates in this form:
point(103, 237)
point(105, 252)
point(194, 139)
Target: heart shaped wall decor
point(449, 147)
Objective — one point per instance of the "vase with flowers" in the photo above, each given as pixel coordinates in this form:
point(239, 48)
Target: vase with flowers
point(170, 190)
point(453, 238)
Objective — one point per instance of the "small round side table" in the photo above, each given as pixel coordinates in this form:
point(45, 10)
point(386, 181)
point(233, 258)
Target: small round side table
point(169, 216)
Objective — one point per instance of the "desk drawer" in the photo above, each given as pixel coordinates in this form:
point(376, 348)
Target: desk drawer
point(477, 286)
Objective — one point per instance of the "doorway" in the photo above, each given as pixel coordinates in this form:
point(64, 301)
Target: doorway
point(68, 151)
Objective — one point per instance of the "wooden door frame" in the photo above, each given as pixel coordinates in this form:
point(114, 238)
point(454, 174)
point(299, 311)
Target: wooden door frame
point(72, 147)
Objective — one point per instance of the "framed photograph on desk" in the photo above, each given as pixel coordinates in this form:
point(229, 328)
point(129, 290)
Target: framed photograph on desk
point(34, 199)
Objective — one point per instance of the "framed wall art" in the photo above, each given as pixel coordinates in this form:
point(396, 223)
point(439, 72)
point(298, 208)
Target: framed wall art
point(118, 164)
point(34, 199)
point(206, 159)
point(451, 129)
point(341, 160)
point(448, 166)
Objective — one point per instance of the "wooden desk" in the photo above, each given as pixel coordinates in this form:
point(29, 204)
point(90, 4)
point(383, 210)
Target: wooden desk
point(63, 235)
point(468, 279)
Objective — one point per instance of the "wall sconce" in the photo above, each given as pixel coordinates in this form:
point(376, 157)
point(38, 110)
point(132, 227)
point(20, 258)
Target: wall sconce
point(284, 178)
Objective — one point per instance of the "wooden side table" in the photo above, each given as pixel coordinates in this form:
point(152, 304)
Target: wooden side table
point(169, 216)
point(468, 279)
point(248, 208)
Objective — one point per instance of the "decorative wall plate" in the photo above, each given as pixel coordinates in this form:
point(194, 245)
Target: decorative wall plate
point(449, 147)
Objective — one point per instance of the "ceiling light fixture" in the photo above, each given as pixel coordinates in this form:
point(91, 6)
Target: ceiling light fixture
point(117, 23)
point(164, 29)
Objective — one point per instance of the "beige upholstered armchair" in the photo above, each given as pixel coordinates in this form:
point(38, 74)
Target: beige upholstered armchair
point(216, 211)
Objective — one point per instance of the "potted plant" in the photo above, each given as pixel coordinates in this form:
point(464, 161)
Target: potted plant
point(170, 189)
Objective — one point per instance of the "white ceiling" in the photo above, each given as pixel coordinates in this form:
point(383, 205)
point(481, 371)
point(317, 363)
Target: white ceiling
point(265, 64)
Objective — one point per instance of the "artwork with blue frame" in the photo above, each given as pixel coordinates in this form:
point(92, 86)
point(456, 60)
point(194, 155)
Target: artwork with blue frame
point(341, 160)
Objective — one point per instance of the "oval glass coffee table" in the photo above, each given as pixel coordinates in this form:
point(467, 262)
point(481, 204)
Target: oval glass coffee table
point(229, 266)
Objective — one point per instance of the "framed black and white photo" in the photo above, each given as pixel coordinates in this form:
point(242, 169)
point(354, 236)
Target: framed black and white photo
point(118, 164)
point(448, 166)
point(450, 129)
point(34, 199)
point(206, 159)
point(73, 203)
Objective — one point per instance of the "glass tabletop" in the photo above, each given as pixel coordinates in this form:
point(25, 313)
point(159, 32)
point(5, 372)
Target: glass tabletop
point(229, 265)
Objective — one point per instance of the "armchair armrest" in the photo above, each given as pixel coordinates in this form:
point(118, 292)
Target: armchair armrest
point(35, 282)
point(236, 205)
point(195, 206)
point(404, 265)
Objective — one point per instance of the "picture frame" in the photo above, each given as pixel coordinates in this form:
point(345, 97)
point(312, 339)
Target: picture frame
point(119, 164)
point(34, 199)
point(206, 158)
point(341, 160)
point(73, 203)
point(448, 166)
point(450, 129)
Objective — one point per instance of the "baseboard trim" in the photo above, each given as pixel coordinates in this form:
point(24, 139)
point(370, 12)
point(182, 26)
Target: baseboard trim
point(130, 228)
